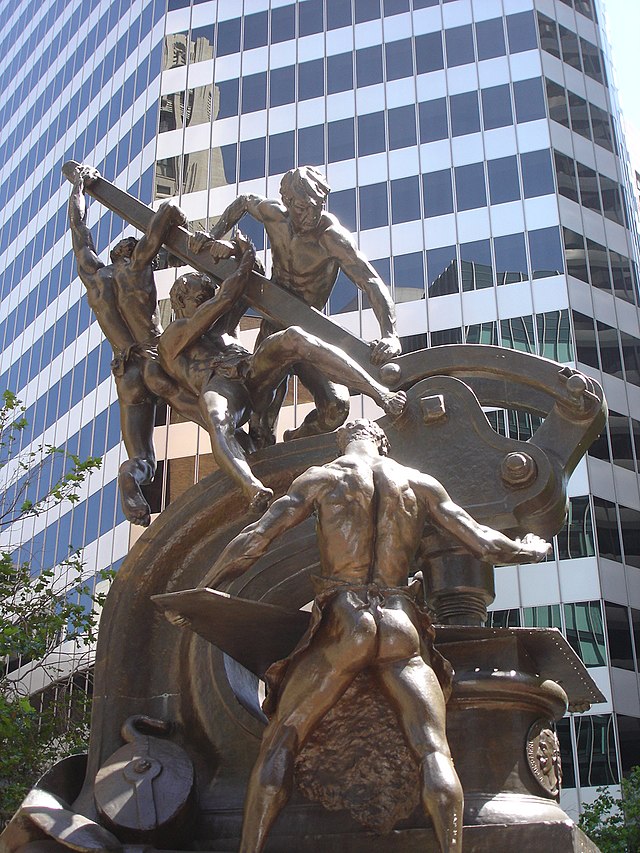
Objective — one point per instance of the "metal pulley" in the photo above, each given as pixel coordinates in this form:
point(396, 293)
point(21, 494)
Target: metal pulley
point(144, 790)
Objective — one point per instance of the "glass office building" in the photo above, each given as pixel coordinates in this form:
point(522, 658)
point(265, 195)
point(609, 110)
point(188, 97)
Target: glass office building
point(474, 147)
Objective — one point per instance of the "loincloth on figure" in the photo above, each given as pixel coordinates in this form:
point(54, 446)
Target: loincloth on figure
point(121, 358)
point(234, 363)
point(369, 595)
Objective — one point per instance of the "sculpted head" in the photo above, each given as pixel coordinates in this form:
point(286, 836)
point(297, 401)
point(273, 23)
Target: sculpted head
point(304, 193)
point(189, 291)
point(124, 249)
point(363, 430)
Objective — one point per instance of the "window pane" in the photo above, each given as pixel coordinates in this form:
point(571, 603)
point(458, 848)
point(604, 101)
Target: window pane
point(459, 41)
point(557, 100)
point(311, 79)
point(338, 14)
point(228, 40)
point(367, 10)
point(554, 335)
point(341, 141)
point(511, 258)
point(434, 123)
point(490, 38)
point(545, 616)
point(283, 86)
point(227, 98)
point(504, 184)
point(629, 736)
point(446, 336)
point(609, 349)
point(621, 442)
point(344, 296)
point(621, 277)
point(537, 174)
point(596, 750)
point(371, 134)
point(465, 115)
point(309, 17)
point(504, 618)
point(576, 256)
point(254, 92)
point(521, 31)
point(563, 730)
point(548, 30)
point(369, 65)
point(252, 159)
point(395, 7)
point(598, 265)
point(402, 127)
point(579, 115)
point(529, 100)
point(438, 193)
point(255, 30)
point(475, 265)
point(631, 357)
point(570, 49)
point(517, 333)
point(408, 277)
point(588, 182)
point(566, 175)
point(601, 128)
point(470, 186)
point(405, 199)
point(576, 537)
point(611, 202)
point(342, 204)
point(429, 56)
point(496, 107)
point(311, 146)
point(482, 333)
point(591, 60)
point(442, 271)
point(373, 206)
point(399, 59)
point(619, 636)
point(546, 252)
point(607, 529)
point(585, 631)
point(281, 152)
point(339, 73)
point(283, 24)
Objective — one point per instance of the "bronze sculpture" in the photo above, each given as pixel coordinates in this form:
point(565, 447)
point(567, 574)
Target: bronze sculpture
point(371, 514)
point(309, 247)
point(122, 295)
point(198, 352)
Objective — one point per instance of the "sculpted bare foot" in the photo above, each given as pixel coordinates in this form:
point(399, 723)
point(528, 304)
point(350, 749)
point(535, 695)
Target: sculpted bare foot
point(260, 499)
point(134, 506)
point(393, 404)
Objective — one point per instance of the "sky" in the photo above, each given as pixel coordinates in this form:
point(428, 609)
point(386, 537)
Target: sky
point(623, 26)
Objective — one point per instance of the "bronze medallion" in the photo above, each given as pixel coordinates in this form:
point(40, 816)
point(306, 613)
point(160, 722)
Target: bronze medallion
point(543, 755)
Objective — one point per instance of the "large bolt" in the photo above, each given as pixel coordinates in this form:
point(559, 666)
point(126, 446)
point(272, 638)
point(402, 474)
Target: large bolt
point(518, 469)
point(390, 374)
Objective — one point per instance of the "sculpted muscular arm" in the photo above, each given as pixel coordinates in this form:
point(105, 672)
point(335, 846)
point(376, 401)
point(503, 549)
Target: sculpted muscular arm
point(340, 245)
point(481, 541)
point(83, 248)
point(167, 215)
point(287, 512)
point(255, 205)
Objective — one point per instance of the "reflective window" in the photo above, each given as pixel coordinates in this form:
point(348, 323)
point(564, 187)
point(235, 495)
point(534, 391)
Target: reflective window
point(609, 343)
point(175, 50)
point(344, 296)
point(619, 636)
point(255, 30)
point(429, 56)
point(195, 177)
point(252, 152)
point(621, 277)
point(537, 173)
point(282, 88)
point(470, 186)
point(557, 100)
point(343, 205)
point(548, 30)
point(585, 631)
point(228, 40)
point(338, 14)
point(438, 193)
point(369, 66)
point(405, 199)
point(521, 32)
point(490, 38)
point(504, 618)
point(635, 621)
point(423, 4)
point(554, 335)
point(281, 152)
point(511, 258)
point(611, 201)
point(172, 112)
point(371, 134)
point(517, 333)
point(311, 145)
point(588, 182)
point(465, 115)
point(629, 737)
point(202, 39)
point(607, 529)
point(413, 343)
point(563, 730)
point(395, 7)
point(579, 115)
point(591, 60)
point(621, 440)
point(482, 333)
point(402, 127)
point(570, 48)
point(576, 537)
point(341, 140)
point(408, 277)
point(598, 265)
point(459, 42)
point(576, 256)
point(434, 122)
point(595, 738)
point(442, 271)
point(254, 92)
point(446, 336)
point(373, 206)
point(585, 7)
point(283, 24)
point(601, 128)
point(399, 59)
point(529, 100)
point(227, 98)
point(566, 176)
point(544, 616)
point(311, 79)
point(475, 265)
point(504, 184)
point(309, 17)
point(496, 107)
point(339, 73)
point(631, 357)
point(367, 10)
